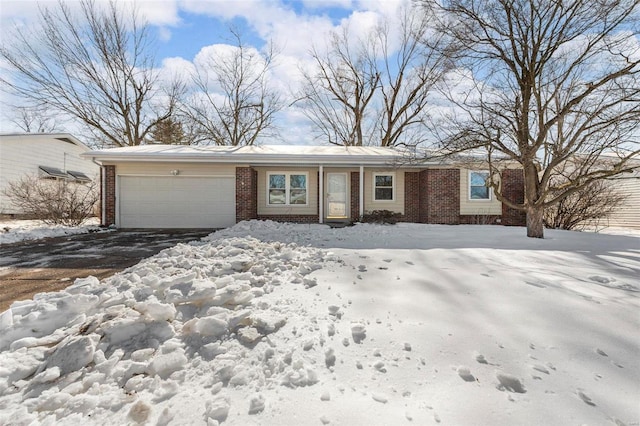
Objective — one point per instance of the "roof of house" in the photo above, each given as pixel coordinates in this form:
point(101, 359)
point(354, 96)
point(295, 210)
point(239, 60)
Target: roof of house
point(21, 137)
point(263, 154)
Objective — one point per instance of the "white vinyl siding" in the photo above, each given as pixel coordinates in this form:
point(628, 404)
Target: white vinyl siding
point(21, 156)
point(628, 214)
point(176, 202)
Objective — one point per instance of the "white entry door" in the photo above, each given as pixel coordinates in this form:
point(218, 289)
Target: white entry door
point(337, 196)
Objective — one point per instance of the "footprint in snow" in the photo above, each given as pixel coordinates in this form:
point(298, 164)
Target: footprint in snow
point(611, 283)
point(379, 397)
point(585, 398)
point(509, 383)
point(480, 358)
point(465, 373)
point(408, 262)
point(540, 368)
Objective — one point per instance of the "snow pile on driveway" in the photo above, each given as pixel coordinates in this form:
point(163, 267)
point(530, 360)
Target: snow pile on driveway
point(193, 316)
point(268, 323)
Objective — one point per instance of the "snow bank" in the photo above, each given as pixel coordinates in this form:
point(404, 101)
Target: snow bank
point(13, 231)
point(194, 315)
point(268, 323)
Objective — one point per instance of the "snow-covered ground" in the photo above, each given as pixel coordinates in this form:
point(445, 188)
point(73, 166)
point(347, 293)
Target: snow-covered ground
point(277, 324)
point(13, 231)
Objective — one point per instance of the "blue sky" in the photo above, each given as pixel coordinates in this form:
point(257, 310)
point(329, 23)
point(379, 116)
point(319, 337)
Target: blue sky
point(190, 29)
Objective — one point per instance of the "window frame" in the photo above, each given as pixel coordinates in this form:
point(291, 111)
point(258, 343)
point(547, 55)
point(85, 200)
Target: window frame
point(287, 189)
point(393, 186)
point(469, 186)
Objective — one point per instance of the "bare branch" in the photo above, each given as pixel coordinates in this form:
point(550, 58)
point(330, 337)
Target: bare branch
point(94, 67)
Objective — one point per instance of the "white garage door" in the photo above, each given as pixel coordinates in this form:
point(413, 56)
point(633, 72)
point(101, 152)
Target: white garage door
point(176, 202)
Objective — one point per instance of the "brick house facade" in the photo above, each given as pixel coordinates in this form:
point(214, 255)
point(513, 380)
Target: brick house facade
point(237, 180)
point(431, 196)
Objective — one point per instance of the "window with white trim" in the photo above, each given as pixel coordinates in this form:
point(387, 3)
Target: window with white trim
point(285, 188)
point(479, 185)
point(383, 186)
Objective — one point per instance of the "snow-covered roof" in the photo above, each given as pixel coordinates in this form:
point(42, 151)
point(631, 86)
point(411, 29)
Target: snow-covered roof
point(264, 154)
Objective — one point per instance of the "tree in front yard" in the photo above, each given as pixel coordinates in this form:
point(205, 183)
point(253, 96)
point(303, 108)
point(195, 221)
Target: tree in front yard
point(552, 86)
point(54, 201)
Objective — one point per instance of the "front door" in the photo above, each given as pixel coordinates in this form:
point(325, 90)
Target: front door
point(337, 196)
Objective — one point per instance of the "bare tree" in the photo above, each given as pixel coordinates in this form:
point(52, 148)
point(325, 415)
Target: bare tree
point(35, 120)
point(234, 104)
point(409, 75)
point(375, 90)
point(54, 201)
point(94, 66)
point(338, 96)
point(552, 86)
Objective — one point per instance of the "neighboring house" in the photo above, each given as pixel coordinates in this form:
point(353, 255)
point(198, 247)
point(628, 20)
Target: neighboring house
point(47, 155)
point(628, 214)
point(173, 186)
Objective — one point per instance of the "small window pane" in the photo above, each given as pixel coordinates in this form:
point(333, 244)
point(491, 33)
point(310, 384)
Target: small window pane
point(277, 181)
point(479, 193)
point(384, 194)
point(384, 180)
point(479, 178)
point(277, 196)
point(298, 196)
point(298, 181)
point(478, 189)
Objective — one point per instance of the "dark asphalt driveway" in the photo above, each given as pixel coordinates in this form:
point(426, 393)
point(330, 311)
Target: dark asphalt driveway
point(51, 264)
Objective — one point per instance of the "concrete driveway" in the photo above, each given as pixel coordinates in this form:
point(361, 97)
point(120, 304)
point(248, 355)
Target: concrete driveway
point(51, 264)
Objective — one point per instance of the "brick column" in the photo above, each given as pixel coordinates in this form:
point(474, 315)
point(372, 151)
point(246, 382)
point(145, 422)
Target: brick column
point(109, 195)
point(412, 197)
point(513, 190)
point(443, 193)
point(355, 196)
point(424, 199)
point(246, 194)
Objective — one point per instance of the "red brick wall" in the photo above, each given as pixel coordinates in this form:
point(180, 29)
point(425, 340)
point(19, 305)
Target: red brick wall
point(109, 196)
point(246, 194)
point(299, 218)
point(355, 196)
point(513, 190)
point(480, 219)
point(443, 196)
point(412, 197)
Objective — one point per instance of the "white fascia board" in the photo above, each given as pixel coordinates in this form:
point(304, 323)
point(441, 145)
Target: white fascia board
point(259, 159)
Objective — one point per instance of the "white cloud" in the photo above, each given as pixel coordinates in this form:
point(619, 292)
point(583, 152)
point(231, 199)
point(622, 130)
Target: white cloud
point(160, 13)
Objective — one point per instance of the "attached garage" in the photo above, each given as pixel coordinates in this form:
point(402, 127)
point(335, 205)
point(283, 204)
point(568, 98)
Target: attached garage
point(176, 202)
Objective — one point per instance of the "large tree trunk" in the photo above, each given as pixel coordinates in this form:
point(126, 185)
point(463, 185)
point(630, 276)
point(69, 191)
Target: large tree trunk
point(535, 226)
